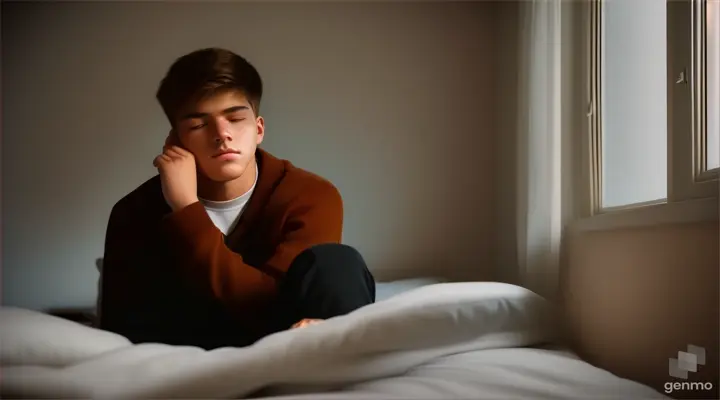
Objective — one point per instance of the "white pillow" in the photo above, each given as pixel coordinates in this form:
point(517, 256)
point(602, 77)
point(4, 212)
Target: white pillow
point(386, 290)
point(30, 337)
point(430, 316)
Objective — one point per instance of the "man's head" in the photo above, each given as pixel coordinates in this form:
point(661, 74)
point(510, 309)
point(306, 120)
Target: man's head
point(212, 99)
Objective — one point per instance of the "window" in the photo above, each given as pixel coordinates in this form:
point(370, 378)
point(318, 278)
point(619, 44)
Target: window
point(633, 102)
point(713, 85)
point(655, 95)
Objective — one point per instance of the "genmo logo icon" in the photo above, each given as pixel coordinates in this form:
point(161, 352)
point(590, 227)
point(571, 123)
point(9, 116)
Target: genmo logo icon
point(681, 367)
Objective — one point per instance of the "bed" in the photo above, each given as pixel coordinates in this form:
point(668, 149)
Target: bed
point(420, 339)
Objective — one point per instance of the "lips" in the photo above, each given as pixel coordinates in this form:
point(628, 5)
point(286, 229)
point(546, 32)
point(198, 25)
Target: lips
point(224, 152)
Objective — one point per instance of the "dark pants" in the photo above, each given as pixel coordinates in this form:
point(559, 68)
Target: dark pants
point(324, 281)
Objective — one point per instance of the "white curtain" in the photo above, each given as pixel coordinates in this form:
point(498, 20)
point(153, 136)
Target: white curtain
point(538, 147)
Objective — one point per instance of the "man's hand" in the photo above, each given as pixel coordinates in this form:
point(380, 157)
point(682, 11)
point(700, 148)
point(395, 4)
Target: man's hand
point(177, 175)
point(305, 322)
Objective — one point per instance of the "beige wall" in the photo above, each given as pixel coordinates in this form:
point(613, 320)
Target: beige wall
point(391, 101)
point(635, 297)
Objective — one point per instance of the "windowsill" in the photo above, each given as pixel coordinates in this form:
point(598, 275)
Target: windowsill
point(700, 210)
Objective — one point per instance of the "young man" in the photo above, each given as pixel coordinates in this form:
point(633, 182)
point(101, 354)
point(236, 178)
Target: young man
point(227, 243)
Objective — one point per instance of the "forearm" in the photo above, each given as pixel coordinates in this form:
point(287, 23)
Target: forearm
point(210, 264)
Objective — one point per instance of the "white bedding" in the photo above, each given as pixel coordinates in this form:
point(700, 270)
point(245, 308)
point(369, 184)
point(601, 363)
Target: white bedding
point(514, 373)
point(386, 290)
point(453, 340)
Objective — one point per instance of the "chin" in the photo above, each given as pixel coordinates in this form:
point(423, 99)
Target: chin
point(226, 173)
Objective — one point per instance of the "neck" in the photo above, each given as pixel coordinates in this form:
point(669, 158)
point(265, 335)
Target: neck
point(224, 191)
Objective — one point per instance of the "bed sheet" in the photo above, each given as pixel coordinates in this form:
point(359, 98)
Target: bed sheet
point(550, 372)
point(453, 340)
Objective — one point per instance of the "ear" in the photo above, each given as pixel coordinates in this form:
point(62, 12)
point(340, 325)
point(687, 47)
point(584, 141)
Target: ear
point(260, 129)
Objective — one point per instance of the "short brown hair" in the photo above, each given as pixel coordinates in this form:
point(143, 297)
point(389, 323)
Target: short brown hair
point(204, 72)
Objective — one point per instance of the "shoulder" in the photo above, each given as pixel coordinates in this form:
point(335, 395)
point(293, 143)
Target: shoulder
point(294, 187)
point(146, 199)
point(306, 183)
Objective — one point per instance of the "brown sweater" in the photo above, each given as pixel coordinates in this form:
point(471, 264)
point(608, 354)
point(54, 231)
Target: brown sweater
point(175, 278)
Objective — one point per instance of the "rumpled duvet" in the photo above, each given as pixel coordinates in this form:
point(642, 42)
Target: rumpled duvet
point(44, 356)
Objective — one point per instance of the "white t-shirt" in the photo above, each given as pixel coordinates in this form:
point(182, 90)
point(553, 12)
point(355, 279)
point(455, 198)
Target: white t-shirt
point(225, 214)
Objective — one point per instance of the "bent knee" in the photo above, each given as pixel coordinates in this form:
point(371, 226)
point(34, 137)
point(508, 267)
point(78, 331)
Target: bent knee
point(332, 260)
point(336, 269)
point(336, 251)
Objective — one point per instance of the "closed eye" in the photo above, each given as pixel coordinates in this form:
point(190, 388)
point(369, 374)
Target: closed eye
point(196, 127)
point(236, 119)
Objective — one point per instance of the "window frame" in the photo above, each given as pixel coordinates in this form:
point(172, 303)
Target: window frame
point(687, 178)
point(692, 192)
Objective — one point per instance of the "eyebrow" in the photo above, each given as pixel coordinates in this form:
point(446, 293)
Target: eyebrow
point(225, 111)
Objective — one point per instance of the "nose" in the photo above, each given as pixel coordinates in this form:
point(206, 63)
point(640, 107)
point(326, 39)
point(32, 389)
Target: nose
point(221, 131)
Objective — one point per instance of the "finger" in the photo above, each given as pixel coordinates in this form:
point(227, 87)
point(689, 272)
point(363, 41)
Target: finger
point(160, 160)
point(180, 151)
point(173, 153)
point(298, 324)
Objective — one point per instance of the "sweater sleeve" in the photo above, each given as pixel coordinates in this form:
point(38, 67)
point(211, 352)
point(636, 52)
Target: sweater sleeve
point(122, 306)
point(313, 217)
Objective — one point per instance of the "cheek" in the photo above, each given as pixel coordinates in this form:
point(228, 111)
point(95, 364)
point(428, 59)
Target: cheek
point(200, 152)
point(246, 138)
point(196, 143)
